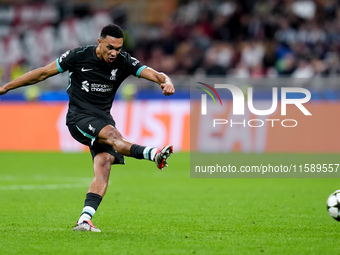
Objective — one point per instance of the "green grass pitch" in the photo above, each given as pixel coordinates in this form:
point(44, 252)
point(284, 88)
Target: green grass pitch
point(147, 211)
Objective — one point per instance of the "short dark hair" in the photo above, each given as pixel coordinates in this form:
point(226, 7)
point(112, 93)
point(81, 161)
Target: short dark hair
point(112, 30)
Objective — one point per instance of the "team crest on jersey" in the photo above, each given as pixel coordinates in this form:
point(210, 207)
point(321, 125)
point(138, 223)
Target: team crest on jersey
point(92, 128)
point(113, 74)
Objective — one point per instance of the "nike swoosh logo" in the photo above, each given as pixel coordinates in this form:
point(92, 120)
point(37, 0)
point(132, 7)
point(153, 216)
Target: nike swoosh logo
point(85, 70)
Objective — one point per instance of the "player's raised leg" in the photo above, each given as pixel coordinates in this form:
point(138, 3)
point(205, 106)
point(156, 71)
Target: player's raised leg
point(110, 135)
point(101, 166)
point(162, 155)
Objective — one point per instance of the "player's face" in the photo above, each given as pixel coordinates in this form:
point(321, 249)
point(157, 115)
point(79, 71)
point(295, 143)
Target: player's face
point(109, 48)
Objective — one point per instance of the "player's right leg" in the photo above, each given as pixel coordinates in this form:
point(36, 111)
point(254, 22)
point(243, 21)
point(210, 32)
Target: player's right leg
point(85, 132)
point(101, 167)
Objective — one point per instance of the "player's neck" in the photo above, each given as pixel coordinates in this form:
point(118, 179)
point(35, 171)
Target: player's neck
point(98, 53)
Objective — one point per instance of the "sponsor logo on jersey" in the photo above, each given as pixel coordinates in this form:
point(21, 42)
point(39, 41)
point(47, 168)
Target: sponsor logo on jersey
point(85, 86)
point(95, 87)
point(64, 56)
point(136, 61)
point(104, 88)
point(113, 74)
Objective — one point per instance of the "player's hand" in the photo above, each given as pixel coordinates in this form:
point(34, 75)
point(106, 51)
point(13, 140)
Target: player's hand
point(168, 88)
point(3, 90)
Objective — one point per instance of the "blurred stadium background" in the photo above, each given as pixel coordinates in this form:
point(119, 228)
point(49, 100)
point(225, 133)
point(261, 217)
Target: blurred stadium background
point(262, 43)
point(185, 39)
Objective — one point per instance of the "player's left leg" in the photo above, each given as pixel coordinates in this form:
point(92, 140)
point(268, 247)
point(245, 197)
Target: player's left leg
point(93, 131)
point(111, 136)
point(101, 167)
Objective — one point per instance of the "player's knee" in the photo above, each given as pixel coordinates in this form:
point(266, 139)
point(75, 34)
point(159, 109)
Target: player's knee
point(114, 139)
point(108, 161)
point(103, 161)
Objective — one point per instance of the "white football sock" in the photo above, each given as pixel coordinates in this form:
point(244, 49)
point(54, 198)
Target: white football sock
point(86, 214)
point(153, 153)
point(149, 153)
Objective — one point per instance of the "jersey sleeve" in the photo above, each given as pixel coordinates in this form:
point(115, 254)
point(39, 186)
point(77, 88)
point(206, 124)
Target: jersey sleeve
point(66, 61)
point(135, 66)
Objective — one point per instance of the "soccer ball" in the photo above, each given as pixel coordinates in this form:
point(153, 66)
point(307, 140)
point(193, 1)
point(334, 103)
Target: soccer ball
point(333, 205)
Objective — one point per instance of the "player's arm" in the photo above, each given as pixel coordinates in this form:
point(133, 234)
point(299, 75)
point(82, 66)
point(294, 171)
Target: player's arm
point(161, 78)
point(31, 77)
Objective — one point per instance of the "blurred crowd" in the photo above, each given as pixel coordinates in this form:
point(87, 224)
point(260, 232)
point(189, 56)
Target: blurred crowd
point(262, 38)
